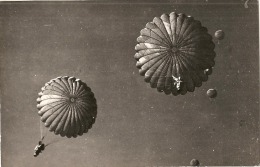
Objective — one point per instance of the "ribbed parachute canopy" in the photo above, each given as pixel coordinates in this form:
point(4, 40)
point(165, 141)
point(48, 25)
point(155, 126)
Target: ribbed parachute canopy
point(67, 106)
point(173, 52)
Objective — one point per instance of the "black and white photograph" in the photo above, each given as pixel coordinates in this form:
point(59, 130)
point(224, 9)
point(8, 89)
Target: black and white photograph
point(129, 83)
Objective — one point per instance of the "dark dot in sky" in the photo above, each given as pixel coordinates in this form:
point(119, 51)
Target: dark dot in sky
point(194, 162)
point(229, 49)
point(242, 122)
point(212, 93)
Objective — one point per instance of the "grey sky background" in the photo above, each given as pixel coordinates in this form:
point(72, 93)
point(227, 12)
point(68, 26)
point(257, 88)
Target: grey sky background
point(135, 125)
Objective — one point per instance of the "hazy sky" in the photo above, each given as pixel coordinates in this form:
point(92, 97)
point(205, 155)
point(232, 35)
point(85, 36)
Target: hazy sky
point(135, 125)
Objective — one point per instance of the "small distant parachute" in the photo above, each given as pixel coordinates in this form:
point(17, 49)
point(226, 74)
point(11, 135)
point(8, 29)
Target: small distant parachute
point(173, 53)
point(67, 106)
point(212, 93)
point(219, 34)
point(194, 162)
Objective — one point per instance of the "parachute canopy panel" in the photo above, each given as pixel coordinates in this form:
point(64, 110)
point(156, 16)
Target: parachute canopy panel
point(67, 106)
point(173, 52)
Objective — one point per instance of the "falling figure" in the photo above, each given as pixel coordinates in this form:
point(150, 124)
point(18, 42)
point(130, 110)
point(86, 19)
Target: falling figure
point(38, 149)
point(177, 82)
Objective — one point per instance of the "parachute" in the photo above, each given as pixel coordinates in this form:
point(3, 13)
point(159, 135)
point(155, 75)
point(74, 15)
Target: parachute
point(219, 34)
point(67, 106)
point(212, 93)
point(173, 52)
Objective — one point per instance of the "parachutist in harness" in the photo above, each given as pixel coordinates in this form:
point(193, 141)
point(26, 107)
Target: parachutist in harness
point(38, 149)
point(178, 82)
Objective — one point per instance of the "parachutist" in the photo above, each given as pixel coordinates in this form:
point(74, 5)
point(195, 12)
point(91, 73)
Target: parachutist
point(177, 82)
point(172, 45)
point(38, 149)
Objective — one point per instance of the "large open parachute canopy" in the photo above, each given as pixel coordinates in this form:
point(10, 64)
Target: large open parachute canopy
point(173, 53)
point(67, 106)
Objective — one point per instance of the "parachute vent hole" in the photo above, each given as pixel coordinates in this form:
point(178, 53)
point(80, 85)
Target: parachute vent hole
point(174, 49)
point(72, 99)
